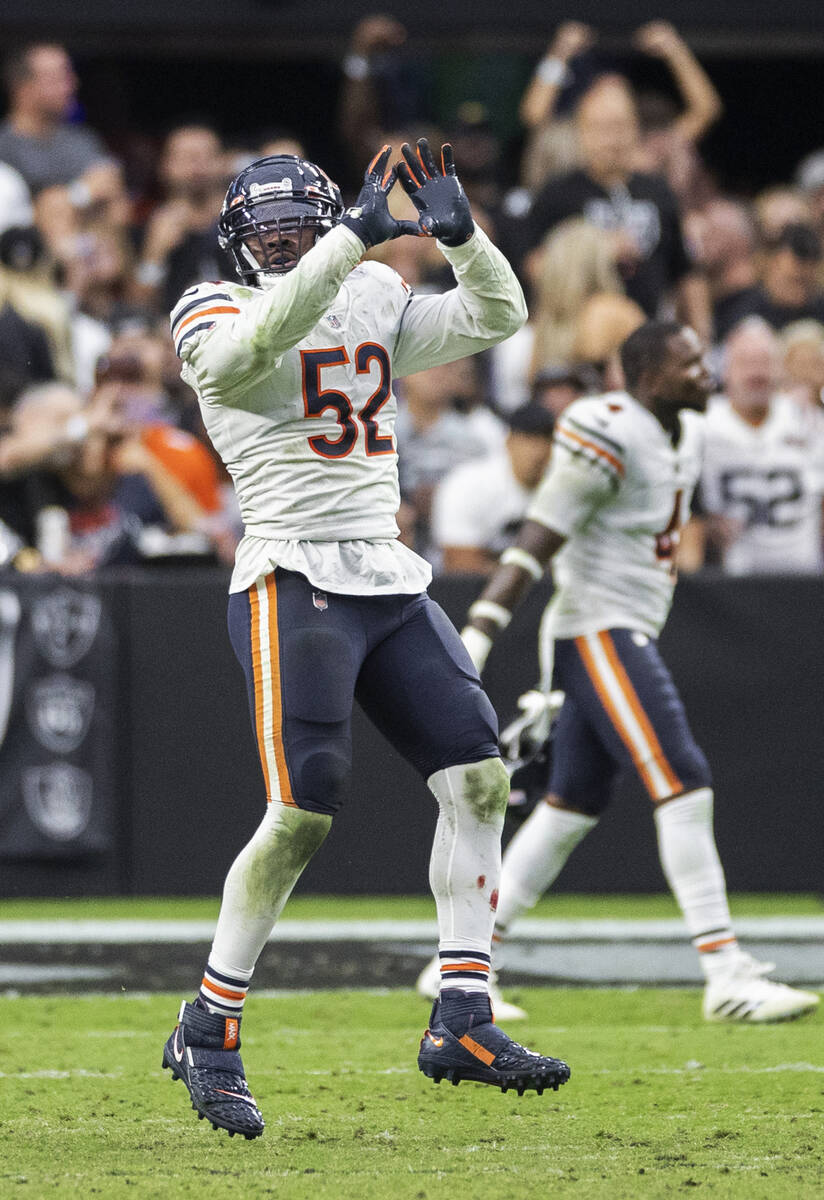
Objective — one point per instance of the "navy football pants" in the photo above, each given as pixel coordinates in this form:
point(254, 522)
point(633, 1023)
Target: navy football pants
point(622, 708)
point(308, 655)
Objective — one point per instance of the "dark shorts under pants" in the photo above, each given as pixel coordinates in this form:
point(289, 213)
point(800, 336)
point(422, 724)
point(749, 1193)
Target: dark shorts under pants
point(622, 708)
point(308, 655)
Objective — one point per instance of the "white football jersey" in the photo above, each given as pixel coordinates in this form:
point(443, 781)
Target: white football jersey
point(480, 504)
point(768, 480)
point(295, 388)
point(619, 491)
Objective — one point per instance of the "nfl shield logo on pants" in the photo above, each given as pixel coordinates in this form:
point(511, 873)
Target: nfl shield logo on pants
point(320, 602)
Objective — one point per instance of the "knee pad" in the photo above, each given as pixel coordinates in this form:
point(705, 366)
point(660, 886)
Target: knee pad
point(320, 780)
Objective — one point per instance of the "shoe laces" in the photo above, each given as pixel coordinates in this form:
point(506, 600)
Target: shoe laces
point(513, 1054)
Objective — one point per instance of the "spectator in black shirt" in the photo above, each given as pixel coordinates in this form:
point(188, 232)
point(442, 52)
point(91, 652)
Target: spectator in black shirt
point(180, 243)
point(607, 191)
point(789, 289)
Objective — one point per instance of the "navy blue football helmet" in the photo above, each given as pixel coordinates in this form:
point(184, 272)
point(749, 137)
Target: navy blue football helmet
point(270, 198)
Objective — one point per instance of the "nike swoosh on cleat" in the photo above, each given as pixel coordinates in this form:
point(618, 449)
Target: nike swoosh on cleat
point(236, 1096)
point(177, 1053)
point(436, 1041)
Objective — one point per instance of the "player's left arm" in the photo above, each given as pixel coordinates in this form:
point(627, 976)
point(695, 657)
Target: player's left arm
point(488, 304)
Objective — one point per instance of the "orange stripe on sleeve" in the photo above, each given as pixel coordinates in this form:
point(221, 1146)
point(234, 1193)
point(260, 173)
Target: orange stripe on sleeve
point(206, 312)
point(599, 450)
point(286, 796)
point(257, 671)
point(638, 711)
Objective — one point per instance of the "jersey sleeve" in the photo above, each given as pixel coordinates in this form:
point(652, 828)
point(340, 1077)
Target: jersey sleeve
point(226, 346)
point(198, 310)
point(582, 434)
point(585, 471)
point(487, 306)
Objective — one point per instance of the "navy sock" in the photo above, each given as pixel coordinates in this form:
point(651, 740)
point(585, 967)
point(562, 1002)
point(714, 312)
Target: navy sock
point(461, 1011)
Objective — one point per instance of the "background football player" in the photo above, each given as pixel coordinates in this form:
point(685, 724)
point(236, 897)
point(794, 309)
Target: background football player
point(610, 508)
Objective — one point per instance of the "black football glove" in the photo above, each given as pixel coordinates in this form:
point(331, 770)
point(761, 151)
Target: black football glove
point(437, 194)
point(370, 217)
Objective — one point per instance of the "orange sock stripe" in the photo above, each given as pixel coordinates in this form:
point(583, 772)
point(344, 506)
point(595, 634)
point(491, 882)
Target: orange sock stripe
point(709, 947)
point(638, 711)
point(466, 966)
point(226, 993)
point(475, 1048)
point(257, 671)
point(286, 796)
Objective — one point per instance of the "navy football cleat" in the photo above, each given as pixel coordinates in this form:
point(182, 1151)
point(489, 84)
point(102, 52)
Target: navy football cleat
point(483, 1053)
point(203, 1052)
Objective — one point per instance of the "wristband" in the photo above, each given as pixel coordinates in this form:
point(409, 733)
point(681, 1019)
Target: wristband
point(514, 556)
point(355, 66)
point(552, 71)
point(477, 644)
point(489, 610)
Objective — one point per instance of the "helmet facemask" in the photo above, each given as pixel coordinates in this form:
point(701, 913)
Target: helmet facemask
point(273, 245)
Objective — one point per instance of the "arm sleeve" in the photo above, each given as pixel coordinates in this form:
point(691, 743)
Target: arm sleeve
point(487, 306)
point(572, 490)
point(227, 347)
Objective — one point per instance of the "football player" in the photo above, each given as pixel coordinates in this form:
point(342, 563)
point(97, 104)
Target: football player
point(763, 474)
point(294, 368)
point(609, 511)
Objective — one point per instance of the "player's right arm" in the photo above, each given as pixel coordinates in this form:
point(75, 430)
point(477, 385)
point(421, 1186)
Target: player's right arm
point(229, 337)
point(584, 473)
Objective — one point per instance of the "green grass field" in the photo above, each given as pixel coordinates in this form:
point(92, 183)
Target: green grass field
point(410, 908)
point(659, 1103)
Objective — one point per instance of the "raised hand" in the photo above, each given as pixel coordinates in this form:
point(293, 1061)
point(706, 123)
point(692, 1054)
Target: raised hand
point(369, 218)
point(436, 193)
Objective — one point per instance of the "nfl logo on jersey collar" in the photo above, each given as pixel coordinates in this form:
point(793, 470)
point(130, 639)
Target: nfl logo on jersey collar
point(320, 602)
point(334, 321)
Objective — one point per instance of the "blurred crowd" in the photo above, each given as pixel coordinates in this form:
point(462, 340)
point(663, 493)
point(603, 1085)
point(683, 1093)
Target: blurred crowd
point(611, 216)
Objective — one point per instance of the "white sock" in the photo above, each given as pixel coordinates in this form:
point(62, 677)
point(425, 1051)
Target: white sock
point(260, 881)
point(693, 870)
point(534, 858)
point(465, 867)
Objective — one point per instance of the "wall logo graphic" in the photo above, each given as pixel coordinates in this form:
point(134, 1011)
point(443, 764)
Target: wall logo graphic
point(65, 624)
point(58, 799)
point(59, 710)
